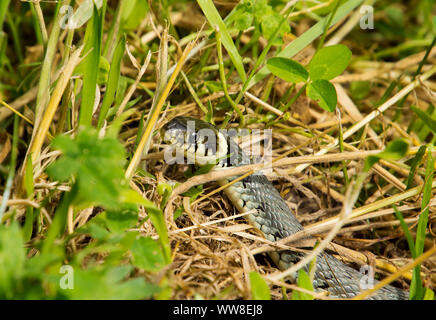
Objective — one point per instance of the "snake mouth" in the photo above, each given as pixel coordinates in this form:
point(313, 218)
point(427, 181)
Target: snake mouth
point(200, 142)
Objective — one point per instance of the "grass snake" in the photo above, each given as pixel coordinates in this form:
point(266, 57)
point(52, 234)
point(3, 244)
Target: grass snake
point(202, 143)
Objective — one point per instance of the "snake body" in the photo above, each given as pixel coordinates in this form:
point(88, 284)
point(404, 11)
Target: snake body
point(272, 215)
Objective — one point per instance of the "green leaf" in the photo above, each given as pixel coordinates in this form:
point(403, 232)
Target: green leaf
point(242, 16)
point(98, 232)
point(164, 190)
point(305, 283)
point(287, 69)
point(261, 8)
point(12, 259)
point(130, 196)
point(102, 283)
point(394, 150)
point(63, 169)
point(270, 22)
point(37, 265)
point(429, 121)
point(329, 62)
point(193, 192)
point(308, 37)
point(244, 21)
point(147, 254)
point(97, 164)
point(429, 294)
point(121, 220)
point(259, 287)
point(157, 218)
point(324, 93)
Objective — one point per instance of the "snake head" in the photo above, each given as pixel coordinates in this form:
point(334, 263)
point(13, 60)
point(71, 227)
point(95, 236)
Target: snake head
point(200, 142)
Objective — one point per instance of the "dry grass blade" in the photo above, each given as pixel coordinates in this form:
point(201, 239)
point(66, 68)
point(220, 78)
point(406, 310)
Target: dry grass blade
point(19, 103)
point(17, 112)
point(153, 117)
point(134, 85)
point(38, 140)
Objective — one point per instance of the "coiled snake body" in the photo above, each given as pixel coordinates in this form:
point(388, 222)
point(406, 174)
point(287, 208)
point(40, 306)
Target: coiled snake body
point(202, 143)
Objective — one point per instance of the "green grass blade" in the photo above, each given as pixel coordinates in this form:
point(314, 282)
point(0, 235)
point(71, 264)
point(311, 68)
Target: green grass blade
point(305, 283)
point(259, 287)
point(415, 162)
point(416, 289)
point(427, 193)
point(59, 221)
point(308, 37)
point(215, 20)
point(16, 39)
point(158, 220)
point(112, 84)
point(29, 187)
point(429, 121)
point(424, 60)
point(3, 37)
point(426, 197)
point(38, 31)
point(406, 231)
point(3, 9)
point(90, 73)
point(43, 95)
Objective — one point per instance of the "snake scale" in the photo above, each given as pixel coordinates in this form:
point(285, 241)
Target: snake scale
point(202, 143)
